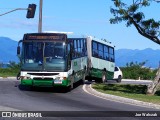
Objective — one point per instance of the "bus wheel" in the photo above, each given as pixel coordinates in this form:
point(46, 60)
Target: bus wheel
point(83, 79)
point(18, 76)
point(84, 76)
point(72, 82)
point(104, 78)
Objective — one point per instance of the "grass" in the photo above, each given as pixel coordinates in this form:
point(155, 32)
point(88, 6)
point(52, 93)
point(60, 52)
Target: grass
point(136, 92)
point(8, 72)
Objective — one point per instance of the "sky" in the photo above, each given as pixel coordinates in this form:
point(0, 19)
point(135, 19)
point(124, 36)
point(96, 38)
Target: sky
point(82, 17)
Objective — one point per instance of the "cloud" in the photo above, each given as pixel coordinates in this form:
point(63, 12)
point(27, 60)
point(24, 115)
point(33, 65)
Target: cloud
point(27, 23)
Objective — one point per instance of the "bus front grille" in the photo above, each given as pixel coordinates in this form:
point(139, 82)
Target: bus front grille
point(40, 78)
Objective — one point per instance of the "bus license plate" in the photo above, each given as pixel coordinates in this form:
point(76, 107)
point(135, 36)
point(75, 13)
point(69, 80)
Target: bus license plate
point(58, 81)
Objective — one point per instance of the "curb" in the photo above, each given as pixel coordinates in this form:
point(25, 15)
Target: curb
point(124, 80)
point(119, 99)
point(8, 78)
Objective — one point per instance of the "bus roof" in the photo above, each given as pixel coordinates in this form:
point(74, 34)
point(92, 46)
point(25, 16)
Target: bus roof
point(68, 33)
point(103, 41)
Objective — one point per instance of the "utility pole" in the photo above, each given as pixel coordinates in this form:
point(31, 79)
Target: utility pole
point(40, 17)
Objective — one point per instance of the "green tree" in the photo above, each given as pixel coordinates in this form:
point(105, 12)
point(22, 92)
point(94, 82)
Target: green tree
point(137, 70)
point(131, 13)
point(14, 65)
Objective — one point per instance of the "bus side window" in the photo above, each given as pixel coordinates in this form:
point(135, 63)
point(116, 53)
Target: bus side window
point(94, 49)
point(106, 55)
point(82, 48)
point(111, 54)
point(100, 50)
point(69, 58)
point(71, 49)
point(79, 48)
point(75, 50)
point(85, 46)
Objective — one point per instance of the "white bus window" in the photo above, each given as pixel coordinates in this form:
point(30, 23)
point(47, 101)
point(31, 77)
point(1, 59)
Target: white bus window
point(106, 54)
point(106, 49)
point(75, 44)
point(111, 51)
point(82, 47)
point(94, 49)
point(111, 54)
point(100, 51)
point(95, 46)
point(79, 54)
point(85, 47)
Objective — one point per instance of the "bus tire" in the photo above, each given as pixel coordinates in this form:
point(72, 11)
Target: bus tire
point(72, 81)
point(104, 77)
point(84, 75)
point(18, 76)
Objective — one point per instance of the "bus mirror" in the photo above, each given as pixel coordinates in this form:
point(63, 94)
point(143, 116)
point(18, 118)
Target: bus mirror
point(18, 50)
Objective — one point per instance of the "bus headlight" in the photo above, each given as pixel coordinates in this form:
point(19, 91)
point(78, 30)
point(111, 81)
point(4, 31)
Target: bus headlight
point(26, 77)
point(60, 78)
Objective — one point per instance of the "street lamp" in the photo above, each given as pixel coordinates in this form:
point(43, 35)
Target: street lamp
point(40, 17)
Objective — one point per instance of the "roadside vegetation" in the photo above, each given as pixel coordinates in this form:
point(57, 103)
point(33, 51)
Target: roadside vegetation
point(137, 92)
point(138, 71)
point(132, 13)
point(11, 70)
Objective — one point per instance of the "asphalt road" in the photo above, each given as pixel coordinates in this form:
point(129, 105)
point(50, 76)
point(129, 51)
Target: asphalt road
point(16, 97)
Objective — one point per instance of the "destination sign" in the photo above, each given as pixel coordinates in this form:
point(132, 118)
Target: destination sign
point(31, 37)
point(44, 37)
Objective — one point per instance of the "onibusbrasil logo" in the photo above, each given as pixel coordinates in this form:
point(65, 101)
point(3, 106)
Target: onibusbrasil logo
point(21, 114)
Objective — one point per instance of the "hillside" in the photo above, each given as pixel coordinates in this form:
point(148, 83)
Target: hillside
point(9, 47)
point(152, 57)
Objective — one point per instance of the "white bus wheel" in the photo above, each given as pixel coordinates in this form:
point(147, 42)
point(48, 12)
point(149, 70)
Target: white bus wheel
point(104, 77)
point(72, 82)
point(84, 76)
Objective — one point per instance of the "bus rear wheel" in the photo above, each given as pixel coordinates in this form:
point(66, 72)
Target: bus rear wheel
point(84, 76)
point(72, 81)
point(104, 77)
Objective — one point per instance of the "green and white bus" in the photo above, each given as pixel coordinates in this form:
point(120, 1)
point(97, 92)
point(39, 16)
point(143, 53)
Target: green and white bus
point(101, 60)
point(53, 59)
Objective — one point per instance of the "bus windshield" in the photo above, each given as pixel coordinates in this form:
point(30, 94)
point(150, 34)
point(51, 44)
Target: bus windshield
point(43, 56)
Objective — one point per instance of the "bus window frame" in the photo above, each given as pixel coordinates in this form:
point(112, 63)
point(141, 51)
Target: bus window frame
point(75, 49)
point(109, 54)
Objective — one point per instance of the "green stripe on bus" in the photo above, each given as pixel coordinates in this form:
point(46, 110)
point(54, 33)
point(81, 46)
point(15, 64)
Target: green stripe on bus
point(98, 73)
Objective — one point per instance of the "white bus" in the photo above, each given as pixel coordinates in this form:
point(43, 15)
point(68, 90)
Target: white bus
point(53, 59)
point(101, 60)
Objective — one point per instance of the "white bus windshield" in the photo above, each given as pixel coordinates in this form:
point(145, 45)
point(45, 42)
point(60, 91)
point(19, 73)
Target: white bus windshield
point(43, 56)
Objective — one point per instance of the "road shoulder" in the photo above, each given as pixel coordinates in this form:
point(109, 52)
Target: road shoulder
point(88, 89)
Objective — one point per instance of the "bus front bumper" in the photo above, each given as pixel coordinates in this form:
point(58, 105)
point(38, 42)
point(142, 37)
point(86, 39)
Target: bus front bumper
point(45, 83)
